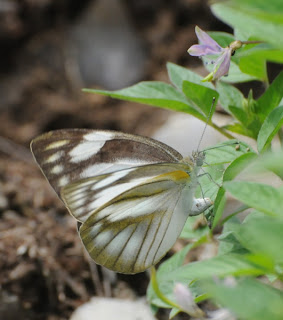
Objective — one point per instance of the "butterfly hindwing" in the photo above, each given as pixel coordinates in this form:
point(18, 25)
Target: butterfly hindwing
point(134, 230)
point(84, 196)
point(68, 155)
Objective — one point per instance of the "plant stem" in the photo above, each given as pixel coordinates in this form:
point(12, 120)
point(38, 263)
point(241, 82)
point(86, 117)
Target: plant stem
point(226, 134)
point(252, 42)
point(156, 289)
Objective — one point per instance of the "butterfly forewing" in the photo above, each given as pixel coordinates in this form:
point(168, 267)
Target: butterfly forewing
point(65, 156)
point(135, 229)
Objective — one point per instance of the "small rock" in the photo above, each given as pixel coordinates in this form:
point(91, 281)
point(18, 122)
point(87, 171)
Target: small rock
point(110, 308)
point(183, 133)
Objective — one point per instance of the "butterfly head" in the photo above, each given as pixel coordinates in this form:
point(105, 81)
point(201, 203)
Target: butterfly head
point(198, 158)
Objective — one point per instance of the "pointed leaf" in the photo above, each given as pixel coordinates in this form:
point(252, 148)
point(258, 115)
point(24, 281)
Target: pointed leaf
point(220, 266)
point(262, 235)
point(271, 97)
point(201, 96)
point(153, 93)
point(248, 299)
point(259, 196)
point(178, 74)
point(229, 95)
point(235, 168)
point(270, 127)
point(266, 25)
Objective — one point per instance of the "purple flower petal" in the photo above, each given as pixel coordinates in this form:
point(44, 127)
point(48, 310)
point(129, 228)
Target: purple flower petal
point(201, 50)
point(222, 64)
point(186, 301)
point(205, 39)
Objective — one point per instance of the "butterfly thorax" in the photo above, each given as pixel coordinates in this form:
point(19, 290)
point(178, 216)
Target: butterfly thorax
point(196, 161)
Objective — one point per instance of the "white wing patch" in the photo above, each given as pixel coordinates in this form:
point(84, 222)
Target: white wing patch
point(99, 135)
point(57, 144)
point(92, 143)
point(57, 169)
point(63, 181)
point(55, 157)
point(111, 179)
point(97, 169)
point(85, 150)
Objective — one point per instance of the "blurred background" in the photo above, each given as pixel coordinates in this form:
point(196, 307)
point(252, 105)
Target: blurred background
point(50, 50)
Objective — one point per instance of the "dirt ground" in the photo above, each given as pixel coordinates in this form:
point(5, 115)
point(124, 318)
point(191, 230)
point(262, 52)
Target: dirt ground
point(44, 273)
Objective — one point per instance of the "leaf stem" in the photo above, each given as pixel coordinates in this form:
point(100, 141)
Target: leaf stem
point(251, 42)
point(156, 289)
point(226, 134)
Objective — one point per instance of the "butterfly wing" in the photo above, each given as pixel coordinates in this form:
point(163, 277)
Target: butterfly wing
point(68, 155)
point(84, 196)
point(134, 230)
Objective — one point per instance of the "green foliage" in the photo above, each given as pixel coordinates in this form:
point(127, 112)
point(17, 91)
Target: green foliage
point(262, 197)
point(258, 19)
point(249, 299)
point(253, 247)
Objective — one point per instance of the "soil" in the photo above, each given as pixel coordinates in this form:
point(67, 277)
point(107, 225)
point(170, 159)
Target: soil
point(44, 272)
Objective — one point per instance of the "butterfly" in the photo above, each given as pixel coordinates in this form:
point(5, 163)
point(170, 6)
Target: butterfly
point(130, 194)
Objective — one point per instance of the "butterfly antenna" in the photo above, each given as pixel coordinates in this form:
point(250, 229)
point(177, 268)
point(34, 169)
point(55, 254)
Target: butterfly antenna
point(206, 123)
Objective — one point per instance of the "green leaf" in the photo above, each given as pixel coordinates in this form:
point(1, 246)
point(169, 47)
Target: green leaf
point(248, 299)
point(270, 161)
point(239, 128)
point(178, 74)
point(175, 261)
point(228, 243)
point(263, 51)
point(235, 168)
point(253, 21)
point(201, 96)
point(259, 196)
point(169, 265)
point(229, 96)
point(238, 165)
point(190, 232)
point(218, 208)
point(215, 157)
point(271, 98)
point(221, 266)
point(263, 235)
point(254, 66)
point(226, 152)
point(270, 127)
point(239, 114)
point(153, 93)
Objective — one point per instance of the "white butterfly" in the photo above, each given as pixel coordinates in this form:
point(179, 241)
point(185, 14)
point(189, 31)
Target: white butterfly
point(131, 194)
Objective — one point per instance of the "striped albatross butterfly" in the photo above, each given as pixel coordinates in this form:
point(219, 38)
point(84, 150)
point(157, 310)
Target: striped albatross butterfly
point(132, 195)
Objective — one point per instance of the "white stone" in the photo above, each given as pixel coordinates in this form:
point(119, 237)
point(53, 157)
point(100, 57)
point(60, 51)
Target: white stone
point(183, 132)
point(104, 47)
point(112, 308)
